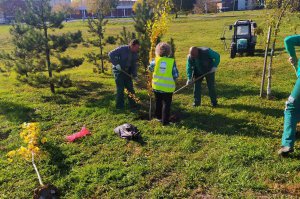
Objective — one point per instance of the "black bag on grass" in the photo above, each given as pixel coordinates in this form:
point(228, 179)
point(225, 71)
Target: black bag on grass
point(127, 131)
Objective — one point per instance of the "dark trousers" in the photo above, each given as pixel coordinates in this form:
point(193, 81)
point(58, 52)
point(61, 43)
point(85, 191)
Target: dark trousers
point(163, 106)
point(210, 80)
point(122, 82)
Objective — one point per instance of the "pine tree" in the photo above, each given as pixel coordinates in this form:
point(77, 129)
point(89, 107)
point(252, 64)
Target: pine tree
point(97, 27)
point(37, 50)
point(143, 14)
point(126, 36)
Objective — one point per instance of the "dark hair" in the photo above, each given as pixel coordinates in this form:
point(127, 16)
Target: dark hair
point(134, 42)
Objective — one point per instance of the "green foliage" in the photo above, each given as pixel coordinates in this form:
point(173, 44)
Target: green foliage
point(111, 40)
point(143, 15)
point(68, 62)
point(94, 59)
point(62, 42)
point(97, 28)
point(126, 36)
point(36, 49)
point(223, 152)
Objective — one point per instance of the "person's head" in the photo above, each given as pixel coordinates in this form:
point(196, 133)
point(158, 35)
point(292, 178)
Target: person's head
point(193, 53)
point(163, 50)
point(134, 45)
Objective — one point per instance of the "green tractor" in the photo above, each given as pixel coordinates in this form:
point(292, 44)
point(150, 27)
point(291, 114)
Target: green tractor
point(243, 39)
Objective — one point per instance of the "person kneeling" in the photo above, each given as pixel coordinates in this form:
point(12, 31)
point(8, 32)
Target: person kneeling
point(163, 82)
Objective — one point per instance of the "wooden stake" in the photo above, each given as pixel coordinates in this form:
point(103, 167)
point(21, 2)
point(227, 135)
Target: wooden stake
point(265, 63)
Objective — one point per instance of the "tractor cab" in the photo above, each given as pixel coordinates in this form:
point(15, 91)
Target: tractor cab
point(243, 39)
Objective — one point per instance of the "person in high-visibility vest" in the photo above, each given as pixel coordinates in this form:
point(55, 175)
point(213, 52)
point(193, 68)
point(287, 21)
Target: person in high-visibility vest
point(292, 109)
point(163, 82)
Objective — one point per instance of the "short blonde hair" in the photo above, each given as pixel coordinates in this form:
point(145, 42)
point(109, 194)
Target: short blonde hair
point(163, 50)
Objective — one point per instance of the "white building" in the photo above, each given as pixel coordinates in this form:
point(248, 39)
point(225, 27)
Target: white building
point(2, 19)
point(124, 9)
point(246, 4)
point(56, 2)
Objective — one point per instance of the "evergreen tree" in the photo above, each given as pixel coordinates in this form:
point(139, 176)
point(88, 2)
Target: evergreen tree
point(126, 36)
point(96, 26)
point(143, 14)
point(36, 50)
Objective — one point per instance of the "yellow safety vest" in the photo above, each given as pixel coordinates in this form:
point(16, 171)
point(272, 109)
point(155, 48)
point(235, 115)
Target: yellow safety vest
point(162, 76)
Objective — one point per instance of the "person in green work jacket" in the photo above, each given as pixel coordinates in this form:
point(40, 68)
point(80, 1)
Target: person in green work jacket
point(124, 60)
point(199, 62)
point(292, 109)
point(163, 81)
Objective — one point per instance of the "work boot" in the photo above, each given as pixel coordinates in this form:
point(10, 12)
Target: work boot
point(285, 151)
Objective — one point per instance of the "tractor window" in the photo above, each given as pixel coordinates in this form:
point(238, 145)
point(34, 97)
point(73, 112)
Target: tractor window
point(242, 30)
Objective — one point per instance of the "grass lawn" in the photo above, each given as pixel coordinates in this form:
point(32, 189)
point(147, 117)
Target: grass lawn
point(229, 151)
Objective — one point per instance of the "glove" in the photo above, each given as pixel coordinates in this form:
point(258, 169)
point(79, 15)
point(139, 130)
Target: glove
point(118, 67)
point(213, 70)
point(189, 81)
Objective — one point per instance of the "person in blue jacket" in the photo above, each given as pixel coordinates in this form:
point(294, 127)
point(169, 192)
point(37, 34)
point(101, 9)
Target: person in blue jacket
point(292, 109)
point(124, 60)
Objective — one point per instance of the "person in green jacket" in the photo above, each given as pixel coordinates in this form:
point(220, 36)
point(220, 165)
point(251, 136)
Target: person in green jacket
point(199, 62)
point(292, 109)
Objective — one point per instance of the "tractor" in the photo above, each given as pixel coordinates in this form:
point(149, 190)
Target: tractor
point(243, 39)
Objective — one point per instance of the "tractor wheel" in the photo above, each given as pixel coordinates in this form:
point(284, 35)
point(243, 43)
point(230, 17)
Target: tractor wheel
point(232, 52)
point(251, 51)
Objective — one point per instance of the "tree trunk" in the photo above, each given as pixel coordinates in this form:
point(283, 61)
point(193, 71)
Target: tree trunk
point(270, 71)
point(265, 63)
point(102, 59)
point(52, 88)
point(273, 46)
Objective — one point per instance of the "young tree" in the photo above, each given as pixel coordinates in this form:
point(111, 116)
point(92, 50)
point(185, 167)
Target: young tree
point(177, 7)
point(277, 10)
point(96, 26)
point(143, 15)
point(156, 29)
point(126, 36)
point(182, 5)
point(36, 50)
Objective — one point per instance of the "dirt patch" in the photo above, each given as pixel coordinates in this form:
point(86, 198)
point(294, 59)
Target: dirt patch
point(47, 192)
point(287, 189)
point(4, 136)
point(174, 118)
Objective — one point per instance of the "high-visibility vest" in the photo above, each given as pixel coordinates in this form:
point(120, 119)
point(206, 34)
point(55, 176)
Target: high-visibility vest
point(162, 76)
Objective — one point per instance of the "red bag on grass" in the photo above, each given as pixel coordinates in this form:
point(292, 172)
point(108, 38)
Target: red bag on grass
point(82, 133)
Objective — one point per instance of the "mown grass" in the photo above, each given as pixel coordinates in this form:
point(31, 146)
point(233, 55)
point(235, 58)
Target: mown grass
point(229, 151)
